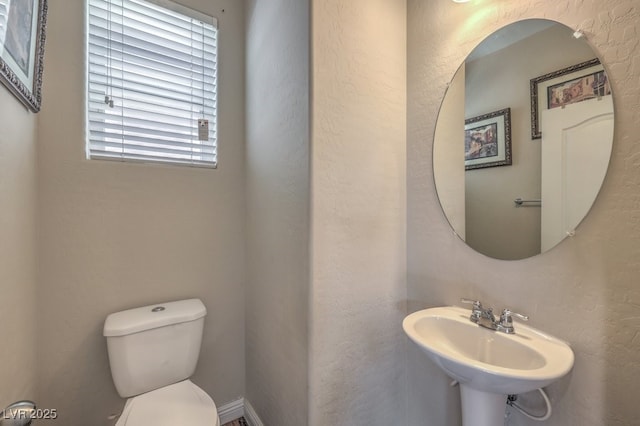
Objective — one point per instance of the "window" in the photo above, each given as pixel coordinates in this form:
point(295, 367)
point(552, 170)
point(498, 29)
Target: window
point(152, 83)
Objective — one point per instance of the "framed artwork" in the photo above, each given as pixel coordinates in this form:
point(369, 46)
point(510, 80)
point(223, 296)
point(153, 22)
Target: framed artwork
point(22, 35)
point(577, 83)
point(487, 140)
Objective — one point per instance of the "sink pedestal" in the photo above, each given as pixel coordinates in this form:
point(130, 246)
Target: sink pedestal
point(482, 408)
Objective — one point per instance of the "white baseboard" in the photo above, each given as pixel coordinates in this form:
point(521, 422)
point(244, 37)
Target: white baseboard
point(231, 411)
point(250, 415)
point(235, 409)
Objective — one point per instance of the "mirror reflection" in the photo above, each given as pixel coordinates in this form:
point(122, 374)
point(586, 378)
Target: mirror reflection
point(523, 139)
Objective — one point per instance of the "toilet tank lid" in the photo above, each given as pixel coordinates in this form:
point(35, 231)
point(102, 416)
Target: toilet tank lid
point(153, 316)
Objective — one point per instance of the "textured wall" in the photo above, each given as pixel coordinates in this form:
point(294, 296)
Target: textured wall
point(119, 235)
point(17, 250)
point(277, 302)
point(584, 290)
point(358, 287)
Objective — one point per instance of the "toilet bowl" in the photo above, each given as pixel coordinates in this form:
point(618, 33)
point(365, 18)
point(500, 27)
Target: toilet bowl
point(153, 350)
point(182, 403)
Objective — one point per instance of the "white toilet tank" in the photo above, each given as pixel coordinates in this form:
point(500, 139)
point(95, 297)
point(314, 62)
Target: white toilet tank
point(154, 346)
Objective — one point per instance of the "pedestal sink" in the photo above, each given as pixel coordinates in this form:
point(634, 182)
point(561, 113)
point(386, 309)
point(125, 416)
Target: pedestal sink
point(488, 365)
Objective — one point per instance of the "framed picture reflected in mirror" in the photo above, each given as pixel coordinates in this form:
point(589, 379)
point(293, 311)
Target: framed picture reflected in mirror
point(580, 82)
point(487, 140)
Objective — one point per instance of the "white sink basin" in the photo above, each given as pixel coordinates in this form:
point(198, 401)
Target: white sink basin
point(486, 360)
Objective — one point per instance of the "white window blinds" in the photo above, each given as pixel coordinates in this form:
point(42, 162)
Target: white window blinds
point(152, 83)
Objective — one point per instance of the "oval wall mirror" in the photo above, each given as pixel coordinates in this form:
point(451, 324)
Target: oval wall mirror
point(523, 139)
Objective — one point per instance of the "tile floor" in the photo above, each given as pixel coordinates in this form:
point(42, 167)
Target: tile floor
point(240, 422)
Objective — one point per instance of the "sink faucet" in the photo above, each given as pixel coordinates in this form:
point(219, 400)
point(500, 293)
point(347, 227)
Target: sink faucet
point(484, 317)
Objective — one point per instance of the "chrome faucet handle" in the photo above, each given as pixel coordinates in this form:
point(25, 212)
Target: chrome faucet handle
point(506, 320)
point(477, 308)
point(475, 303)
point(508, 313)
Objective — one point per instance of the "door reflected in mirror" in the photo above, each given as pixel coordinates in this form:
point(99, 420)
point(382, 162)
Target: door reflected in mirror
point(559, 138)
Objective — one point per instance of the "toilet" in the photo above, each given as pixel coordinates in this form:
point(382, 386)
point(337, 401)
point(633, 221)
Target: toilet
point(153, 351)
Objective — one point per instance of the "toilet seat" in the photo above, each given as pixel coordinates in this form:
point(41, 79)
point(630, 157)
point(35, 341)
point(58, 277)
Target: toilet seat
point(181, 403)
